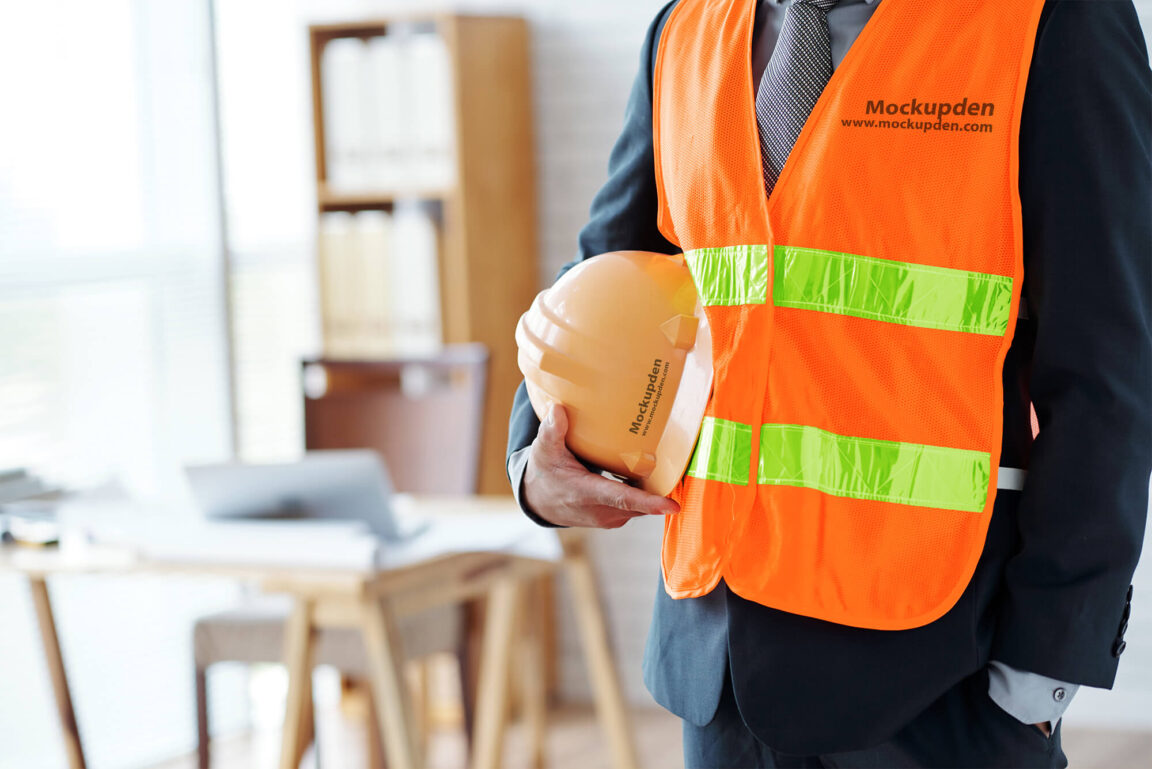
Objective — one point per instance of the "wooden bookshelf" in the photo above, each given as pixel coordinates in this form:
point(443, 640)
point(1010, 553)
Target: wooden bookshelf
point(330, 201)
point(487, 217)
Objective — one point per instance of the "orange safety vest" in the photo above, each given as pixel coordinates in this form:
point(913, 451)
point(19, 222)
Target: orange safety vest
point(847, 465)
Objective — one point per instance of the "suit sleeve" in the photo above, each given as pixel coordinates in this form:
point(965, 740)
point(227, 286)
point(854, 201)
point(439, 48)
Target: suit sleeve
point(1086, 191)
point(623, 217)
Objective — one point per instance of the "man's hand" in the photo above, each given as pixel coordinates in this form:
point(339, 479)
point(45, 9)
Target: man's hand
point(562, 491)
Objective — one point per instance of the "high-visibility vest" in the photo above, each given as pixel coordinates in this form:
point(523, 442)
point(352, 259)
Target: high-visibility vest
point(860, 316)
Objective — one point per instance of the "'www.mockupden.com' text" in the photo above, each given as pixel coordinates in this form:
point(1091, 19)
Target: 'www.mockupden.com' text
point(916, 115)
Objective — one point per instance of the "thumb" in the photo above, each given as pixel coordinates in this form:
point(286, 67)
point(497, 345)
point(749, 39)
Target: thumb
point(554, 428)
point(558, 419)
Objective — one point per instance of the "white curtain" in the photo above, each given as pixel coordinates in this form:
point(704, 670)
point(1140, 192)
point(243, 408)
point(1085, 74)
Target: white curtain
point(112, 342)
point(113, 353)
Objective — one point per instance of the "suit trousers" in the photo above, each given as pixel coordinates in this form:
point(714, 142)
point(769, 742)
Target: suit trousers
point(963, 728)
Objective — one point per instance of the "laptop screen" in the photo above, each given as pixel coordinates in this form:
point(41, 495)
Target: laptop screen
point(346, 484)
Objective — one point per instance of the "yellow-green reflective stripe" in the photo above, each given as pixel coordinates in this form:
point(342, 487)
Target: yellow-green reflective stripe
point(860, 468)
point(723, 452)
point(730, 275)
point(894, 292)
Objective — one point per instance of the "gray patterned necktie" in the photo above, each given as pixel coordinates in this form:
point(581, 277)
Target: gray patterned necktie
point(800, 67)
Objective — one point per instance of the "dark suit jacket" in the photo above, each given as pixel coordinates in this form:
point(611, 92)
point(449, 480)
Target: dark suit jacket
point(1051, 593)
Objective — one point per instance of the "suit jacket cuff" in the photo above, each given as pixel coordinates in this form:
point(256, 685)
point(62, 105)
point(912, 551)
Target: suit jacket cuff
point(1071, 633)
point(1028, 697)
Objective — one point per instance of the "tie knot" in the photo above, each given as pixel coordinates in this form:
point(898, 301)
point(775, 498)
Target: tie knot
point(823, 5)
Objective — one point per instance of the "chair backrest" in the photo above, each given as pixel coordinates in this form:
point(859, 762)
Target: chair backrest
point(423, 415)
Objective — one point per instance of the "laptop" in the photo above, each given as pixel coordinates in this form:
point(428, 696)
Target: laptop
point(334, 485)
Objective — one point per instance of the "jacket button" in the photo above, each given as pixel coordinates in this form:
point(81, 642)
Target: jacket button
point(1119, 647)
point(1059, 694)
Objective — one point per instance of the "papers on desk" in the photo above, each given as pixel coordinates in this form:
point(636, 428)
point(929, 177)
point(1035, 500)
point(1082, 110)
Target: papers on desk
point(292, 544)
point(350, 545)
point(495, 532)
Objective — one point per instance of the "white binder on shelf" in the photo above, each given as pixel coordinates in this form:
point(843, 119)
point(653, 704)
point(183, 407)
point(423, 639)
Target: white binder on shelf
point(432, 110)
point(383, 98)
point(416, 281)
point(375, 252)
point(337, 246)
point(342, 70)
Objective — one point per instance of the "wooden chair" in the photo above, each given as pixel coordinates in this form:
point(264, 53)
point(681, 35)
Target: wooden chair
point(424, 415)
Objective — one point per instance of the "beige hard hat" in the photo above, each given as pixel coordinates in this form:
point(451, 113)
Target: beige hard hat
point(622, 342)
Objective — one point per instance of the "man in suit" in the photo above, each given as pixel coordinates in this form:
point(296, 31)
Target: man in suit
point(1047, 607)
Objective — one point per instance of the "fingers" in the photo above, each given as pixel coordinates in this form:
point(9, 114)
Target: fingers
point(623, 497)
point(601, 517)
point(564, 491)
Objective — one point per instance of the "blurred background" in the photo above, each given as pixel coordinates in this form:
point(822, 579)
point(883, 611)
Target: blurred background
point(198, 197)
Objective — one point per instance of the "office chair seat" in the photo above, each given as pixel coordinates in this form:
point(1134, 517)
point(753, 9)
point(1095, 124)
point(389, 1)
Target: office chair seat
point(256, 634)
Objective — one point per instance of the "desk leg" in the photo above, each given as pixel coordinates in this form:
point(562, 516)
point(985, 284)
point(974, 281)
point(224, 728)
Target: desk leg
point(51, 642)
point(389, 688)
point(610, 706)
point(495, 665)
point(300, 635)
point(533, 678)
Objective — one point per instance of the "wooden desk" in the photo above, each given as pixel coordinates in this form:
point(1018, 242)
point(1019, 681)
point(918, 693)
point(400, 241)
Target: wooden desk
point(370, 600)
